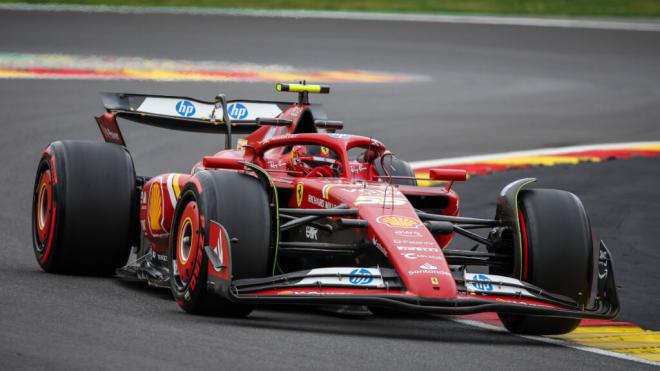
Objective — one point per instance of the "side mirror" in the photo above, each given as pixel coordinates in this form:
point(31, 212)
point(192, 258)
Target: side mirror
point(261, 121)
point(328, 125)
point(222, 163)
point(452, 175)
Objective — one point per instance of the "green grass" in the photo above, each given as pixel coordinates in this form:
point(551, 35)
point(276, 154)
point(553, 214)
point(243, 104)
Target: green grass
point(616, 8)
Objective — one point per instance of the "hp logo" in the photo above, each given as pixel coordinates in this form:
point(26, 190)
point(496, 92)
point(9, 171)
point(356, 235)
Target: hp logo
point(185, 108)
point(482, 282)
point(360, 276)
point(237, 111)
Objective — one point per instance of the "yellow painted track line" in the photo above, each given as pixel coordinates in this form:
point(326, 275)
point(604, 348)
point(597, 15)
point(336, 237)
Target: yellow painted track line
point(645, 354)
point(633, 341)
point(77, 67)
point(573, 155)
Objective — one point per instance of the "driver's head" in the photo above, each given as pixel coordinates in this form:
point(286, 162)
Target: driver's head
point(303, 158)
point(296, 163)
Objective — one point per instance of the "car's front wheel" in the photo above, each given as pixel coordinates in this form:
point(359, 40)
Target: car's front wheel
point(240, 204)
point(556, 255)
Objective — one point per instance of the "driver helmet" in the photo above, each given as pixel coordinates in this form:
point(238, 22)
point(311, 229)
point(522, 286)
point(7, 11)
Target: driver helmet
point(303, 158)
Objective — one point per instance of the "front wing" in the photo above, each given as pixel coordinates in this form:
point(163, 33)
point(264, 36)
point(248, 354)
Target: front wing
point(381, 287)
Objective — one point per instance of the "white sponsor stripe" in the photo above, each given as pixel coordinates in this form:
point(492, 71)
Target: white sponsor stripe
point(168, 107)
point(492, 284)
point(253, 110)
point(343, 276)
point(554, 341)
point(589, 23)
point(529, 153)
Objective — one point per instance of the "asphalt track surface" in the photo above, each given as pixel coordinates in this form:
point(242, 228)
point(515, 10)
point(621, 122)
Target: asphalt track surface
point(491, 88)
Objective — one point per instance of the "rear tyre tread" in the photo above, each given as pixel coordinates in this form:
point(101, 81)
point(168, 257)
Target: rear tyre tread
point(93, 213)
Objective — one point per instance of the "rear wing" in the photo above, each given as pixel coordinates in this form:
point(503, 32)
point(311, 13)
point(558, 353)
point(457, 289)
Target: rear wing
point(187, 114)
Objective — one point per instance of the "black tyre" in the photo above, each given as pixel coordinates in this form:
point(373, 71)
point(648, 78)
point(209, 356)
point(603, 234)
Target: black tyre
point(557, 255)
point(241, 205)
point(84, 208)
point(395, 167)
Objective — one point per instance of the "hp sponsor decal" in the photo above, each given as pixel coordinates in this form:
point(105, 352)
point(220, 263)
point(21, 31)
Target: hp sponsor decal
point(237, 111)
point(482, 282)
point(185, 108)
point(360, 276)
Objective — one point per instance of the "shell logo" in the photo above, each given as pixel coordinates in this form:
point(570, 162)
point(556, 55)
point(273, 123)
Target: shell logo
point(397, 221)
point(155, 207)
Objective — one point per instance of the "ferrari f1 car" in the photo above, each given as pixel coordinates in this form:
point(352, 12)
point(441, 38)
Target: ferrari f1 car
point(301, 213)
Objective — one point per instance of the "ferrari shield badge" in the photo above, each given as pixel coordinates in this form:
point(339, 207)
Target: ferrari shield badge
point(299, 193)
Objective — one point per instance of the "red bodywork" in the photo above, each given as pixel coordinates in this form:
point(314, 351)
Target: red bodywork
point(394, 225)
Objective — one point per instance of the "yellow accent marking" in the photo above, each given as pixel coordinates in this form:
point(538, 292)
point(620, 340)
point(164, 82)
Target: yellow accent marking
point(40, 218)
point(633, 341)
point(300, 88)
point(326, 188)
point(299, 193)
point(427, 183)
point(175, 185)
point(179, 243)
point(155, 208)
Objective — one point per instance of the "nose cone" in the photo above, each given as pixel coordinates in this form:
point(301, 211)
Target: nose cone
point(397, 230)
point(412, 251)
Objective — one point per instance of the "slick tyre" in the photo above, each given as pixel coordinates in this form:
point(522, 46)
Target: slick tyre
point(241, 205)
point(557, 255)
point(84, 208)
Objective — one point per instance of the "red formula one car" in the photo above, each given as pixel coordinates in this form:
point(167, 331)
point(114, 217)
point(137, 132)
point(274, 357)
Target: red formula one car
point(299, 213)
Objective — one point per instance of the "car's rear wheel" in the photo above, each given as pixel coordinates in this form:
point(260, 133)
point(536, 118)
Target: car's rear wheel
point(84, 214)
point(241, 205)
point(556, 255)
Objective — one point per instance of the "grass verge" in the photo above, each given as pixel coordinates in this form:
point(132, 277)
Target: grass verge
point(613, 8)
